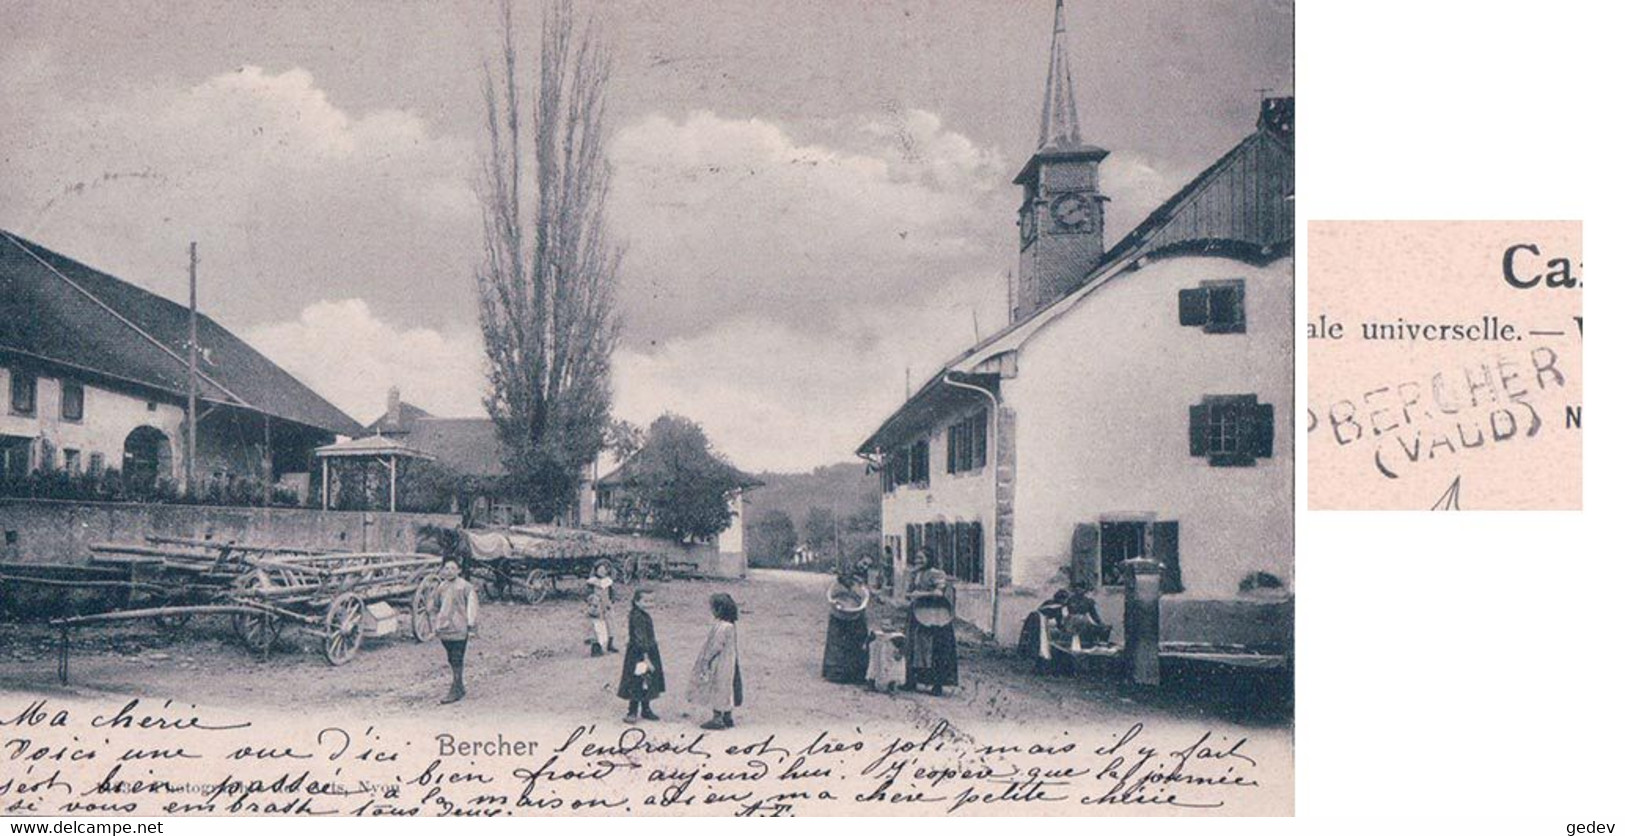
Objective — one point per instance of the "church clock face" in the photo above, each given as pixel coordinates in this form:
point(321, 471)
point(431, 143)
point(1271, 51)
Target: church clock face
point(1072, 213)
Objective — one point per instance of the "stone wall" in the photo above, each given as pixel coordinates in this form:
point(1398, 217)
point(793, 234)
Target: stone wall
point(52, 531)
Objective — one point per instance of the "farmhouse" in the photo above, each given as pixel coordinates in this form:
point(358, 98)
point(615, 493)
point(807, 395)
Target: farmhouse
point(1137, 404)
point(94, 373)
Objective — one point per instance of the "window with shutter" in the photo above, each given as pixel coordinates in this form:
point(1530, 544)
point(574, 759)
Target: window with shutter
point(978, 573)
point(1232, 430)
point(979, 439)
point(1086, 555)
point(1120, 541)
point(1219, 307)
point(920, 463)
point(1165, 550)
point(73, 401)
point(24, 387)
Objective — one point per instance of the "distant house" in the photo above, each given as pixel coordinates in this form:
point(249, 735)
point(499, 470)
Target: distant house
point(93, 370)
point(466, 447)
point(1138, 404)
point(722, 555)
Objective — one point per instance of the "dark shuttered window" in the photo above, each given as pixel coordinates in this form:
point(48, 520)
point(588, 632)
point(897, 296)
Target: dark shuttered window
point(1232, 430)
point(1218, 307)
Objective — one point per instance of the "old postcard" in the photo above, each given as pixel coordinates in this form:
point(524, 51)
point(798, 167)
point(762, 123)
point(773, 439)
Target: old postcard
point(691, 408)
point(1444, 365)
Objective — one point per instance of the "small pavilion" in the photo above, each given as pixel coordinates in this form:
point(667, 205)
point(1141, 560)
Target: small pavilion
point(366, 450)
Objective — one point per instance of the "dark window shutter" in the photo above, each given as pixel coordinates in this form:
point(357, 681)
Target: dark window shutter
point(979, 439)
point(977, 573)
point(953, 448)
point(1198, 431)
point(1165, 550)
point(1261, 431)
point(1086, 554)
point(1193, 306)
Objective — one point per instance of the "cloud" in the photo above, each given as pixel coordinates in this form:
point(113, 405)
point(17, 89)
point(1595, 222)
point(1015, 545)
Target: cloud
point(728, 217)
point(776, 397)
point(290, 198)
point(351, 356)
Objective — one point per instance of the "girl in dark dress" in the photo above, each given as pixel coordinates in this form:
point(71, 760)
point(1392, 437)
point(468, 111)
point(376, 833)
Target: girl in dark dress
point(846, 654)
point(643, 677)
point(933, 653)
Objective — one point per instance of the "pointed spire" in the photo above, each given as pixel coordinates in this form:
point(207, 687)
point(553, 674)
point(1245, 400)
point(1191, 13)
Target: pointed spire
point(1059, 130)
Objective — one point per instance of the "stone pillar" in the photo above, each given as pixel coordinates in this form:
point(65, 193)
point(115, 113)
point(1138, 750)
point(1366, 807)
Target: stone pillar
point(1004, 512)
point(1142, 620)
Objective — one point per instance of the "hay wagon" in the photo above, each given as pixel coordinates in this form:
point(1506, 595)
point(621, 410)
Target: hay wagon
point(527, 563)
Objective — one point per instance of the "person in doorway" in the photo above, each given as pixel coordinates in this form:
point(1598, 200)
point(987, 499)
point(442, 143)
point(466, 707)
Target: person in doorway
point(716, 682)
point(933, 652)
point(456, 611)
point(643, 677)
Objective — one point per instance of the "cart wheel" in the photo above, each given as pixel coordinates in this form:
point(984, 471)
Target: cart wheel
point(172, 623)
point(538, 585)
point(259, 631)
point(343, 627)
point(423, 608)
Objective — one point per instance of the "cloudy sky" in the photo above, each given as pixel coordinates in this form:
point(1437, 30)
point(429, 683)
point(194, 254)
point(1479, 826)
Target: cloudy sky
point(815, 196)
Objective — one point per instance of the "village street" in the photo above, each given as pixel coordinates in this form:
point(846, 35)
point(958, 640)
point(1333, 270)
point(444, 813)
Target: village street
point(530, 660)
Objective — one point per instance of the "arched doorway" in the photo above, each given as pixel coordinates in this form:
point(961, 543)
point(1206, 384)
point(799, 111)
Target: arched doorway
point(146, 458)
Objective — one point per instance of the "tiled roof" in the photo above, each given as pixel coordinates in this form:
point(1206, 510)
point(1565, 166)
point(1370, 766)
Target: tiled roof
point(469, 446)
point(57, 310)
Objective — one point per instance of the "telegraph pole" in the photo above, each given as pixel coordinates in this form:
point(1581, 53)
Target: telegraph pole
point(191, 375)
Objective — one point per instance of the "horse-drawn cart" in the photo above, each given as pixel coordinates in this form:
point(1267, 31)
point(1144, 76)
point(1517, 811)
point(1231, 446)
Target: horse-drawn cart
point(340, 596)
point(527, 563)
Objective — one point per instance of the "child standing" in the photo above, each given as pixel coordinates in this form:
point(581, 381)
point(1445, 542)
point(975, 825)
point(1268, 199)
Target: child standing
point(716, 682)
point(600, 601)
point(456, 608)
point(887, 666)
point(643, 677)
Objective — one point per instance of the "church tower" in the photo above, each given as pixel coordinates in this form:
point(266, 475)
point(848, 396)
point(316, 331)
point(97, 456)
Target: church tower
point(1063, 211)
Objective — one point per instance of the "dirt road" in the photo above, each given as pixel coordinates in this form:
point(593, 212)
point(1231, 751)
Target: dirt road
point(530, 660)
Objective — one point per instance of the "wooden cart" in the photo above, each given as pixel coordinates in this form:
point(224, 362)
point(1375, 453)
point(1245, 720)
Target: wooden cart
point(263, 590)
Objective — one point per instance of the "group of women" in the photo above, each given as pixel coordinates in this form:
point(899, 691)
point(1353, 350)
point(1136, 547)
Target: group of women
point(923, 655)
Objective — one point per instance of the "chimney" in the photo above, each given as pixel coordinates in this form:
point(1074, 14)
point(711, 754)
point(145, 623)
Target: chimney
point(392, 411)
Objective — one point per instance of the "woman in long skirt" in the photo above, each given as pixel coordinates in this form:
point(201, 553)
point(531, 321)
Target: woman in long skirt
point(846, 656)
point(933, 653)
point(715, 682)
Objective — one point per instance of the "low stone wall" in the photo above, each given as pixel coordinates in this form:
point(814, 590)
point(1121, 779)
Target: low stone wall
point(53, 531)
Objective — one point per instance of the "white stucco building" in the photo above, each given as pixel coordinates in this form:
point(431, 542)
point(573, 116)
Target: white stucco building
point(93, 377)
point(1139, 402)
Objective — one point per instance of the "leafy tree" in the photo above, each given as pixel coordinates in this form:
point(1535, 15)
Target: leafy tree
point(548, 275)
point(820, 527)
point(678, 484)
point(771, 539)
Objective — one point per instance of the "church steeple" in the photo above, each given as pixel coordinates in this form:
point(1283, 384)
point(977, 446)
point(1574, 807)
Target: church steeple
point(1059, 129)
point(1063, 213)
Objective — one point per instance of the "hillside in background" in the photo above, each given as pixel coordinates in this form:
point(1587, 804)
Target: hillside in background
point(834, 512)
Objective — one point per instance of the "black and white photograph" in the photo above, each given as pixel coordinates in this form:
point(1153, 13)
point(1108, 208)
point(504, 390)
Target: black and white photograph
point(511, 407)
